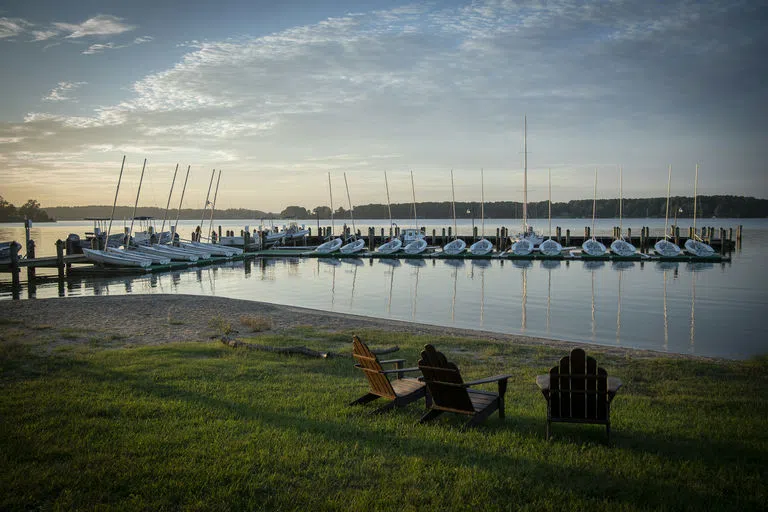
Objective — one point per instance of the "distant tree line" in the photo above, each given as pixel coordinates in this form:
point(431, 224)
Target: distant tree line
point(655, 207)
point(30, 210)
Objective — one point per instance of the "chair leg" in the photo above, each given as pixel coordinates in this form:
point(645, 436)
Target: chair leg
point(608, 431)
point(384, 408)
point(431, 414)
point(370, 397)
point(501, 407)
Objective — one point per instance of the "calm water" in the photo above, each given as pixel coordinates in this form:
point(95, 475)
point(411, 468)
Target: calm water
point(704, 309)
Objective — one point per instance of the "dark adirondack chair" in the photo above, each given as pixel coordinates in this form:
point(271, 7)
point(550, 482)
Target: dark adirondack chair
point(577, 391)
point(447, 392)
point(400, 391)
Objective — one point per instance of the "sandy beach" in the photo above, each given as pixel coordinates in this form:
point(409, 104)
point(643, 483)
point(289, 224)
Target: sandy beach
point(156, 319)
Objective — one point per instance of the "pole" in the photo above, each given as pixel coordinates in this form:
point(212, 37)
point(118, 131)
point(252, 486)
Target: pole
point(525, 176)
point(666, 215)
point(136, 204)
point(114, 204)
point(594, 205)
point(178, 213)
point(351, 210)
point(695, 192)
point(482, 203)
point(330, 192)
point(168, 204)
point(549, 176)
point(213, 205)
point(389, 207)
point(207, 196)
point(453, 202)
point(413, 193)
point(621, 202)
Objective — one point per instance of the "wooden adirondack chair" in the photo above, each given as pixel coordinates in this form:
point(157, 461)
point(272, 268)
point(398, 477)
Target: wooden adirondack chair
point(447, 392)
point(400, 391)
point(577, 391)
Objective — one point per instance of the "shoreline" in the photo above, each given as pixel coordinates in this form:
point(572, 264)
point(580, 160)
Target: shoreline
point(168, 318)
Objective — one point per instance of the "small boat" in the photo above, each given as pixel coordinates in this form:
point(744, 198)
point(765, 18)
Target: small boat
point(175, 255)
point(214, 249)
point(353, 247)
point(455, 247)
point(621, 247)
point(390, 247)
point(288, 233)
point(666, 248)
point(329, 246)
point(481, 247)
point(692, 245)
point(115, 259)
point(416, 247)
point(154, 259)
point(523, 247)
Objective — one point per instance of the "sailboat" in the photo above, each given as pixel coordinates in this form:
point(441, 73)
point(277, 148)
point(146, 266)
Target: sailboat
point(394, 244)
point(482, 246)
point(592, 247)
point(550, 247)
point(664, 247)
point(692, 245)
point(418, 244)
point(457, 245)
point(621, 247)
point(357, 244)
point(333, 244)
point(528, 232)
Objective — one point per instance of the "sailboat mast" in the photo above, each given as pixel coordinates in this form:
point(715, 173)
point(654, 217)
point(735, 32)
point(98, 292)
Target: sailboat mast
point(482, 202)
point(695, 195)
point(413, 193)
point(549, 176)
point(389, 207)
point(330, 193)
point(178, 212)
point(207, 196)
point(351, 210)
point(168, 204)
point(666, 215)
point(112, 215)
point(213, 205)
point(453, 202)
point(525, 175)
point(621, 202)
point(136, 204)
point(594, 205)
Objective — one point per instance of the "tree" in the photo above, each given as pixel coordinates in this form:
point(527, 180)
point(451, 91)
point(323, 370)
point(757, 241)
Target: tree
point(297, 212)
point(323, 212)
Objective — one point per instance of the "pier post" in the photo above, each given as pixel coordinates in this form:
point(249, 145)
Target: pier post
point(498, 239)
point(677, 235)
point(15, 270)
point(629, 234)
point(474, 233)
point(586, 232)
point(397, 231)
point(60, 258)
point(557, 234)
point(449, 231)
point(691, 234)
point(382, 233)
point(738, 232)
point(642, 239)
point(567, 237)
point(371, 236)
point(30, 256)
point(434, 236)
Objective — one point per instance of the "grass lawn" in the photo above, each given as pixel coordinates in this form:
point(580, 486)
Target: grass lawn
point(203, 426)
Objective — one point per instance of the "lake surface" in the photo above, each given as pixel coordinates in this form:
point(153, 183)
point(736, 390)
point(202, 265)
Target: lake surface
point(703, 308)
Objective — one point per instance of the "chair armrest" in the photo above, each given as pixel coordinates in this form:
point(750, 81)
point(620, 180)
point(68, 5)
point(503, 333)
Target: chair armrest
point(543, 382)
point(486, 380)
point(400, 370)
point(391, 361)
point(614, 384)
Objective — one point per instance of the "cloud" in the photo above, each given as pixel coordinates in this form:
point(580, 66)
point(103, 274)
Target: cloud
point(60, 92)
point(44, 35)
point(11, 27)
point(100, 25)
point(99, 47)
point(434, 89)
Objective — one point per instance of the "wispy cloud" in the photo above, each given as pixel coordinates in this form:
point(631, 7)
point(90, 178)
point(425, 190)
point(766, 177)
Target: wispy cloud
point(100, 48)
point(11, 27)
point(101, 25)
point(61, 91)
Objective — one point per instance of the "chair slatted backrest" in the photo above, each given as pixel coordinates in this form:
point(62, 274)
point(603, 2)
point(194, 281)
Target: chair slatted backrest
point(578, 388)
point(369, 363)
point(444, 381)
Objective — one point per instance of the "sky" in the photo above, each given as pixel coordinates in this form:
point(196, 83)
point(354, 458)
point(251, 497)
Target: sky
point(277, 95)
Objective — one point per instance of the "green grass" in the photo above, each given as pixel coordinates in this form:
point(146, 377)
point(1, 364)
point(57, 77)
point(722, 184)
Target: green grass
point(204, 426)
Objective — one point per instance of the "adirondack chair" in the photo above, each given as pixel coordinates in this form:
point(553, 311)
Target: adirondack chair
point(400, 391)
point(577, 391)
point(447, 392)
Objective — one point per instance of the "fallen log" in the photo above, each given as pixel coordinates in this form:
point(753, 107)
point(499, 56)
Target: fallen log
point(302, 351)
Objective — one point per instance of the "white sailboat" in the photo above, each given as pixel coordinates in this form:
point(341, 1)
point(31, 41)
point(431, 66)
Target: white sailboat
point(665, 247)
point(333, 244)
point(111, 258)
point(592, 247)
point(692, 245)
point(357, 244)
point(482, 246)
point(457, 245)
point(414, 239)
point(621, 247)
point(550, 247)
point(394, 244)
point(528, 232)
